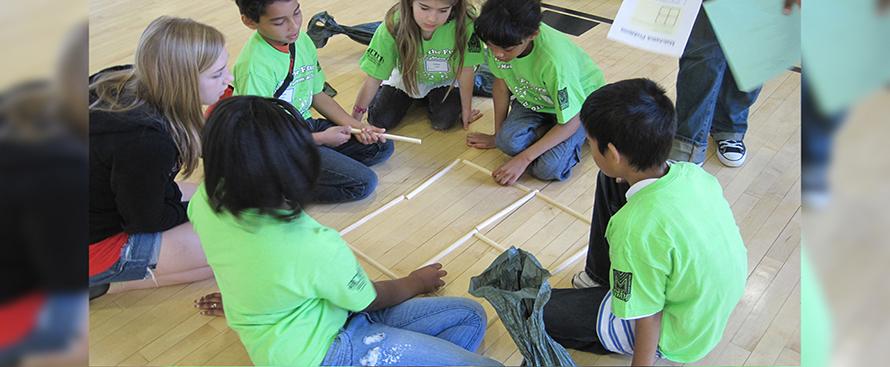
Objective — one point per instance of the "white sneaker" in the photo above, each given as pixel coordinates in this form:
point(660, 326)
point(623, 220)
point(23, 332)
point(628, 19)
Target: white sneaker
point(582, 280)
point(731, 153)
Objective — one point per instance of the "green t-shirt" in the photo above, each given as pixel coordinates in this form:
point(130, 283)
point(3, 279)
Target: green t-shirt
point(261, 69)
point(434, 69)
point(288, 286)
point(675, 247)
point(555, 78)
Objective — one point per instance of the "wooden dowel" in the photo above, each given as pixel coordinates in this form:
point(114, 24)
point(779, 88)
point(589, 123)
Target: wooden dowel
point(429, 182)
point(393, 137)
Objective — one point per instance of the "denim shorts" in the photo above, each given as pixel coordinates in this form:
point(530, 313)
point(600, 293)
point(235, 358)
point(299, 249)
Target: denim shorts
point(138, 255)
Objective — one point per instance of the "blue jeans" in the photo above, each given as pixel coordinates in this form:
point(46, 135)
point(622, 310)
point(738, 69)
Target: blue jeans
point(139, 254)
point(817, 138)
point(523, 127)
point(433, 331)
point(345, 175)
point(708, 100)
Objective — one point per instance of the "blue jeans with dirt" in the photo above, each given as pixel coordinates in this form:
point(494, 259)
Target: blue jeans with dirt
point(708, 100)
point(432, 331)
point(523, 127)
point(345, 173)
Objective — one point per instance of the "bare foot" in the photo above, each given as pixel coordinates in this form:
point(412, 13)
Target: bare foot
point(480, 140)
point(210, 304)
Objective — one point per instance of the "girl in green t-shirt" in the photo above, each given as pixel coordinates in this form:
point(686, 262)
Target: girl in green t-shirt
point(294, 291)
point(428, 55)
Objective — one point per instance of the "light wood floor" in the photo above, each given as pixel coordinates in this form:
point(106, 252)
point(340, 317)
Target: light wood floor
point(159, 327)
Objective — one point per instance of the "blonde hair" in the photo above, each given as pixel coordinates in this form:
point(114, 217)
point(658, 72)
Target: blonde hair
point(408, 38)
point(171, 54)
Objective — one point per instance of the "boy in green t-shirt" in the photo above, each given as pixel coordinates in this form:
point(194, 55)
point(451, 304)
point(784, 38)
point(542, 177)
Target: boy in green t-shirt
point(262, 70)
point(549, 77)
point(662, 236)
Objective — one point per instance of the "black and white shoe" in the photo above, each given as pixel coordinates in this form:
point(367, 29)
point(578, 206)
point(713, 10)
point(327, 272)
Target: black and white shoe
point(582, 280)
point(731, 153)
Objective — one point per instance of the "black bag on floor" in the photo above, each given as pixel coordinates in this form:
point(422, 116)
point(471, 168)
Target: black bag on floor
point(322, 26)
point(516, 286)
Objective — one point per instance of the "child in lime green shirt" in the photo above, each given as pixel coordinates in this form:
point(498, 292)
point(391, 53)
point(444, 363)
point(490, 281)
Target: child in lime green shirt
point(663, 236)
point(548, 76)
point(294, 292)
point(427, 56)
point(265, 68)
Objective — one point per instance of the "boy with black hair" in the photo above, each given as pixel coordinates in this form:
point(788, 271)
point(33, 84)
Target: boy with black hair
point(549, 77)
point(662, 236)
point(281, 61)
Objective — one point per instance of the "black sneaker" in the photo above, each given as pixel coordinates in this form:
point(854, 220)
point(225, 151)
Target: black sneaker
point(97, 291)
point(731, 153)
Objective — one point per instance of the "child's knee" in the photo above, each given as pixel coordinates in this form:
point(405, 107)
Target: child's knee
point(364, 186)
point(444, 119)
point(444, 116)
point(376, 153)
point(474, 309)
point(509, 143)
point(383, 117)
point(550, 170)
point(386, 151)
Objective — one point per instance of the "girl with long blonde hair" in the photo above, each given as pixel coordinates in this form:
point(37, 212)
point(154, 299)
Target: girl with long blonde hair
point(426, 50)
point(145, 124)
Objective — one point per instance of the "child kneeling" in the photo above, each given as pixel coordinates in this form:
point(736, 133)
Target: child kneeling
point(662, 236)
point(294, 292)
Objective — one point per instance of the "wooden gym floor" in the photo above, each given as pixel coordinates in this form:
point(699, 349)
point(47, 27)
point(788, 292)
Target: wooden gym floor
point(160, 327)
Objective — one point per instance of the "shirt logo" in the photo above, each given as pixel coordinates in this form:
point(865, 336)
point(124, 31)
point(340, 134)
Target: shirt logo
point(374, 56)
point(621, 284)
point(563, 96)
point(359, 280)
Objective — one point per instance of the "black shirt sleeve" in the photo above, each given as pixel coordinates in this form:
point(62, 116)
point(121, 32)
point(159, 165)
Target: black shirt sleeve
point(146, 196)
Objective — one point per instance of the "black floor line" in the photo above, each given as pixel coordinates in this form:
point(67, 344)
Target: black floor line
point(578, 13)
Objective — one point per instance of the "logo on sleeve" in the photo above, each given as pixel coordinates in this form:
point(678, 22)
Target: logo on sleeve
point(359, 280)
point(563, 96)
point(621, 284)
point(474, 45)
point(374, 56)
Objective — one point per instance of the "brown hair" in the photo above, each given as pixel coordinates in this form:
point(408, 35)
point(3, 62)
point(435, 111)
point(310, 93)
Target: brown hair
point(408, 38)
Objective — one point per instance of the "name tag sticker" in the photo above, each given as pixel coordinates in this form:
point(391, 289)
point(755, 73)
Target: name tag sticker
point(436, 65)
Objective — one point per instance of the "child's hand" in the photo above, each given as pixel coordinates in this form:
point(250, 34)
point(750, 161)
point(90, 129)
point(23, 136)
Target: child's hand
point(508, 173)
point(470, 117)
point(370, 134)
point(480, 140)
point(428, 278)
point(335, 136)
point(210, 304)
